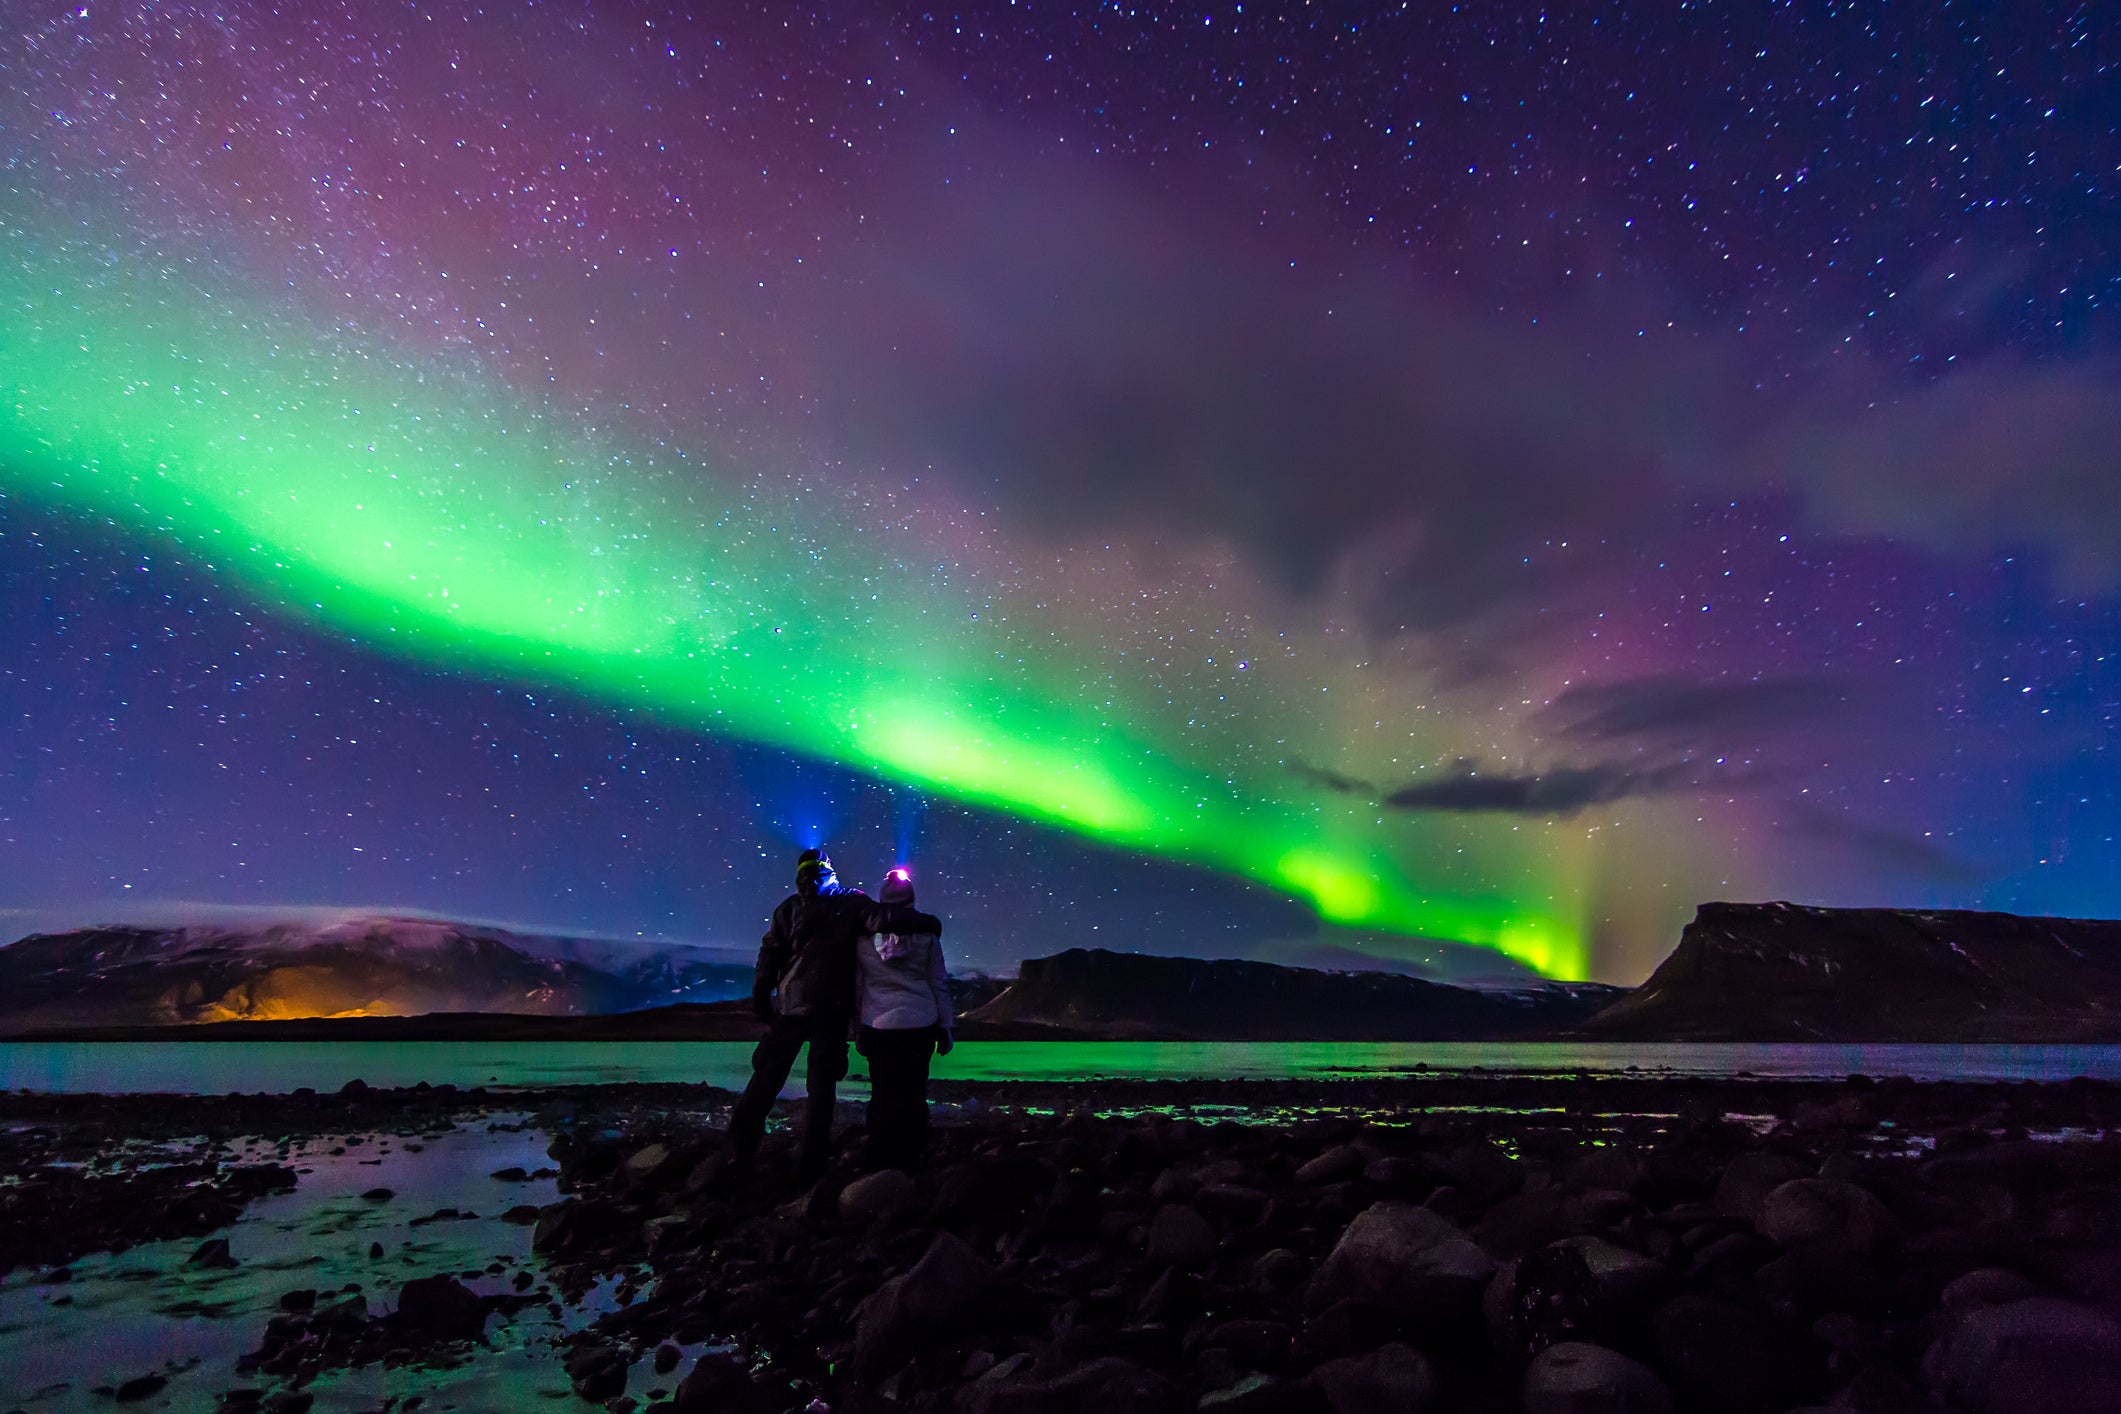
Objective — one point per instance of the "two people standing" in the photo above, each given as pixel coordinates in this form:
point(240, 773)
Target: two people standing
point(833, 957)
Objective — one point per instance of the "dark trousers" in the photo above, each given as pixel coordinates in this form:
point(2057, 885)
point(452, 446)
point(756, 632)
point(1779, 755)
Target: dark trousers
point(771, 1061)
point(898, 1093)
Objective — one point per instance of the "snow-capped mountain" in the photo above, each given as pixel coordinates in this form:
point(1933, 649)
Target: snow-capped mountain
point(344, 966)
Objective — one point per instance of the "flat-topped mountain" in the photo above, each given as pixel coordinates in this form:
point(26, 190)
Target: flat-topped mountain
point(1783, 972)
point(1094, 992)
point(347, 967)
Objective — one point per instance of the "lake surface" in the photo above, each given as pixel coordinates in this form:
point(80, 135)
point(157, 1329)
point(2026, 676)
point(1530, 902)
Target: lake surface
point(219, 1067)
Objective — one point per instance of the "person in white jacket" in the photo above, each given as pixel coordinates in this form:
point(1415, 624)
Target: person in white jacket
point(902, 1000)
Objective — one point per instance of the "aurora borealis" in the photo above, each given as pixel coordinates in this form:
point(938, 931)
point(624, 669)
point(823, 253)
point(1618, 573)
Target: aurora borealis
point(1223, 480)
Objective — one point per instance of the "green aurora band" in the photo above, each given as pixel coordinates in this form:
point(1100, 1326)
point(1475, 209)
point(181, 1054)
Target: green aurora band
point(438, 515)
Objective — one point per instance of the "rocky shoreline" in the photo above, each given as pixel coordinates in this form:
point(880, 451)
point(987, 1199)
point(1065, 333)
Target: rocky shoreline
point(1450, 1243)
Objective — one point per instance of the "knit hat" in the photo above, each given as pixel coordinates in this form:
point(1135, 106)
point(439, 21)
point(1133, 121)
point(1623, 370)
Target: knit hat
point(812, 869)
point(898, 887)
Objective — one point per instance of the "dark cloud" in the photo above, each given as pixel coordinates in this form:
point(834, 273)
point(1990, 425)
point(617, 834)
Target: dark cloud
point(1330, 780)
point(1562, 791)
point(1668, 706)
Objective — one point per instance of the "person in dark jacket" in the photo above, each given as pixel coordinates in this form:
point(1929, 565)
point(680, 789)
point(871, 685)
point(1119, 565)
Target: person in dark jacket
point(803, 989)
point(902, 999)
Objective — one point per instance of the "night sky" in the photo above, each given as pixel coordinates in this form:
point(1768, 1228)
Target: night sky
point(1451, 488)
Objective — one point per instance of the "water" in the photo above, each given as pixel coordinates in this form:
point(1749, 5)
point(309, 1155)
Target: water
point(146, 1311)
point(219, 1067)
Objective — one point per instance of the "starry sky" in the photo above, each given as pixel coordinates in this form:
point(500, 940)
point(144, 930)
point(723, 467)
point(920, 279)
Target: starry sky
point(1447, 487)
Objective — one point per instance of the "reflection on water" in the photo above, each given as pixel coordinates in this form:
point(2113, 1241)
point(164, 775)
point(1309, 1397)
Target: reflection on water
point(146, 1311)
point(219, 1067)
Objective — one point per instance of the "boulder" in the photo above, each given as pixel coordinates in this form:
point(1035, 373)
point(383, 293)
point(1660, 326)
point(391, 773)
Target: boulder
point(1256, 1394)
point(876, 1195)
point(1180, 1237)
point(1393, 1379)
point(940, 1296)
point(2041, 1355)
point(720, 1383)
point(644, 1163)
point(598, 1372)
point(1277, 1270)
point(211, 1253)
point(1749, 1178)
point(441, 1308)
point(1823, 1216)
point(1106, 1386)
point(1575, 1377)
point(1351, 1327)
point(1339, 1162)
point(1986, 1286)
point(1402, 1255)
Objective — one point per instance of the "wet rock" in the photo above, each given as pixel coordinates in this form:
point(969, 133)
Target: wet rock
point(288, 1401)
point(598, 1372)
point(379, 1195)
point(667, 1357)
point(522, 1215)
point(348, 1310)
point(1820, 1215)
point(876, 1195)
point(1108, 1385)
point(1550, 1298)
point(2041, 1355)
point(1393, 1379)
point(943, 1294)
point(514, 1173)
point(140, 1387)
point(303, 1300)
point(441, 1308)
point(1181, 1237)
point(1257, 1393)
point(1575, 1377)
point(211, 1253)
point(1404, 1256)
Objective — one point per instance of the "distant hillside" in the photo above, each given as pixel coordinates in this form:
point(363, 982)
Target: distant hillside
point(1781, 972)
point(1128, 994)
point(102, 977)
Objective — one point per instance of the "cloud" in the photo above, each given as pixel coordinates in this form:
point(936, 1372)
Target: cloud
point(1562, 791)
point(1095, 357)
point(1330, 780)
point(1666, 706)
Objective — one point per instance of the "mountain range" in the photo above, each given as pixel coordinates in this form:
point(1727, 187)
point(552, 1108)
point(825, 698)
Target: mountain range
point(1741, 972)
point(360, 966)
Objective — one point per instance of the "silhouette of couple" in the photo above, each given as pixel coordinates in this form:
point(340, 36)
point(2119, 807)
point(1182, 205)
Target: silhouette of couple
point(833, 958)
